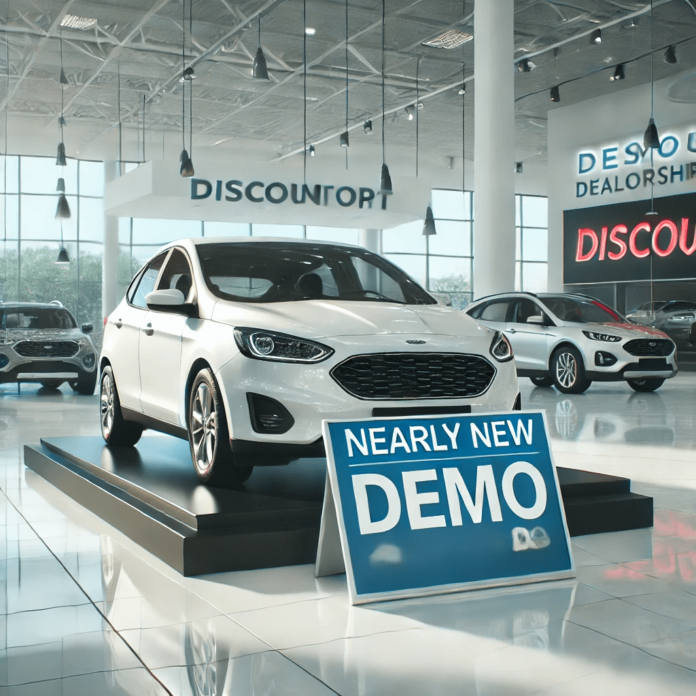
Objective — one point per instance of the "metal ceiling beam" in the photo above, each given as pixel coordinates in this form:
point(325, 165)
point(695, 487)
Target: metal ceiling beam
point(35, 53)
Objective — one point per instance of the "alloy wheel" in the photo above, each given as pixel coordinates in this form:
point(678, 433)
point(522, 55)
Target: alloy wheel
point(107, 406)
point(203, 428)
point(566, 370)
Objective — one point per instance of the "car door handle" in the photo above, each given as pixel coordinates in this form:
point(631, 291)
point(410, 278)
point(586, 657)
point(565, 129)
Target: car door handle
point(118, 323)
point(511, 331)
point(148, 330)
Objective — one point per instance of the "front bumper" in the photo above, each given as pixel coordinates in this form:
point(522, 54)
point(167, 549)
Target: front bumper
point(311, 394)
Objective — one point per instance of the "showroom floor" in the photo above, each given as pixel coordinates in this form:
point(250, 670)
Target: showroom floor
point(85, 611)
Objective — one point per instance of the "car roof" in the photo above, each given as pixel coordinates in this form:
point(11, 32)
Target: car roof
point(202, 241)
point(24, 305)
point(536, 295)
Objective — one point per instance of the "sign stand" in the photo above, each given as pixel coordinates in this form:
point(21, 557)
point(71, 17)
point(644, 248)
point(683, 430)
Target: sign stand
point(330, 552)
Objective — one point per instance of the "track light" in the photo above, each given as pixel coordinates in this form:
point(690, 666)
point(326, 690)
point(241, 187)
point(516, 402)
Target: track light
point(63, 257)
point(429, 224)
point(188, 75)
point(596, 37)
point(186, 168)
point(410, 110)
point(555, 94)
point(345, 142)
point(619, 73)
point(311, 151)
point(367, 127)
point(670, 56)
point(385, 182)
point(60, 157)
point(60, 186)
point(62, 209)
point(651, 139)
point(525, 65)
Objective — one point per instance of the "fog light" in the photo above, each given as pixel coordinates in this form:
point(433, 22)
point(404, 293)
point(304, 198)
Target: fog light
point(603, 359)
point(88, 360)
point(3, 361)
point(268, 415)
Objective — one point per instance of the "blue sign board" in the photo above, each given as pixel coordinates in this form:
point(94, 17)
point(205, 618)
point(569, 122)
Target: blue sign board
point(437, 504)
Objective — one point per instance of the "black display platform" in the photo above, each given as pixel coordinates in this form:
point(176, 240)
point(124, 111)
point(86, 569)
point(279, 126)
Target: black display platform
point(151, 494)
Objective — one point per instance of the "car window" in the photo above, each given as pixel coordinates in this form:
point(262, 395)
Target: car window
point(495, 311)
point(581, 310)
point(291, 272)
point(525, 308)
point(147, 281)
point(679, 306)
point(36, 318)
point(177, 275)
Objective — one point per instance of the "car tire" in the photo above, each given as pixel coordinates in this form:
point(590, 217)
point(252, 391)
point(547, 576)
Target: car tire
point(51, 383)
point(209, 437)
point(85, 383)
point(542, 381)
point(649, 384)
point(568, 371)
point(116, 431)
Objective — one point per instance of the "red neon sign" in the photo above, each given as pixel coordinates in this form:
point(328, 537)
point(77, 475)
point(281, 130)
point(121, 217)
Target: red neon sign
point(664, 240)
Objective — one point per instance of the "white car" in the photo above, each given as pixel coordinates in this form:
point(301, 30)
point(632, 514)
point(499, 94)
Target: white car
point(243, 347)
point(570, 340)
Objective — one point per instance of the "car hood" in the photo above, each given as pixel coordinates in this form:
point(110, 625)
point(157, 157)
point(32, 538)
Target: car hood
point(15, 335)
point(326, 318)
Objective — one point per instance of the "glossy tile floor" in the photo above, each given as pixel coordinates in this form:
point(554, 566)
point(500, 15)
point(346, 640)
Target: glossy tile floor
point(83, 610)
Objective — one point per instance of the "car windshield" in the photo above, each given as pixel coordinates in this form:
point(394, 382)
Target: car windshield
point(263, 272)
point(649, 307)
point(36, 318)
point(581, 310)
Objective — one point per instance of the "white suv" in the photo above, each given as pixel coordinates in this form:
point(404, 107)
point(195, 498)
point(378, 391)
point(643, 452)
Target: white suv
point(244, 346)
point(571, 340)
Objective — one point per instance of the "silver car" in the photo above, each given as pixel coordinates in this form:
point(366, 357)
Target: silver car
point(571, 340)
point(42, 343)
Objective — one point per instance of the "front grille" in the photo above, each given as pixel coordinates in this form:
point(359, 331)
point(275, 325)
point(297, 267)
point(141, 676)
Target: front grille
point(386, 376)
point(47, 349)
point(649, 346)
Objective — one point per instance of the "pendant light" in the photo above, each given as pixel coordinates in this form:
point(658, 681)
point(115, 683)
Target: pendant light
point(63, 257)
point(385, 182)
point(429, 223)
point(186, 165)
point(651, 138)
point(345, 140)
point(62, 208)
point(260, 70)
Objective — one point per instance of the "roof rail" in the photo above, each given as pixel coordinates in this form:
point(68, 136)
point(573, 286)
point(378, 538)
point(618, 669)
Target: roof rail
point(512, 292)
point(57, 303)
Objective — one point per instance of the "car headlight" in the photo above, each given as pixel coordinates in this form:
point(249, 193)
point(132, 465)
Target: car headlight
point(501, 349)
point(595, 336)
point(268, 345)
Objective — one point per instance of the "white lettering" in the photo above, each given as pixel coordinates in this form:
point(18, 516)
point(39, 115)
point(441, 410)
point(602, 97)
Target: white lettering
point(517, 436)
point(422, 439)
point(398, 440)
point(537, 510)
point(452, 434)
point(485, 485)
point(365, 522)
point(374, 441)
point(436, 447)
point(497, 433)
point(360, 444)
point(415, 500)
point(476, 433)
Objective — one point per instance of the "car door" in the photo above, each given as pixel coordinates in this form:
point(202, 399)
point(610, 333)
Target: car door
point(530, 341)
point(128, 318)
point(160, 344)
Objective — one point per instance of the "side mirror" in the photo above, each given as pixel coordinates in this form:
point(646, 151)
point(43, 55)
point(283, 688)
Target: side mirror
point(87, 328)
point(536, 319)
point(443, 298)
point(164, 298)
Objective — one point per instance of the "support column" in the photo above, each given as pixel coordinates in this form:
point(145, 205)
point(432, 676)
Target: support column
point(371, 240)
point(110, 296)
point(494, 158)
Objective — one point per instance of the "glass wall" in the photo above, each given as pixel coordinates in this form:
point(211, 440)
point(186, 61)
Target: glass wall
point(31, 236)
point(532, 249)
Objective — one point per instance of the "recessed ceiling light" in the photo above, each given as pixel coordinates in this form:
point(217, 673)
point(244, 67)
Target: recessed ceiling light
point(310, 31)
point(450, 39)
point(75, 22)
